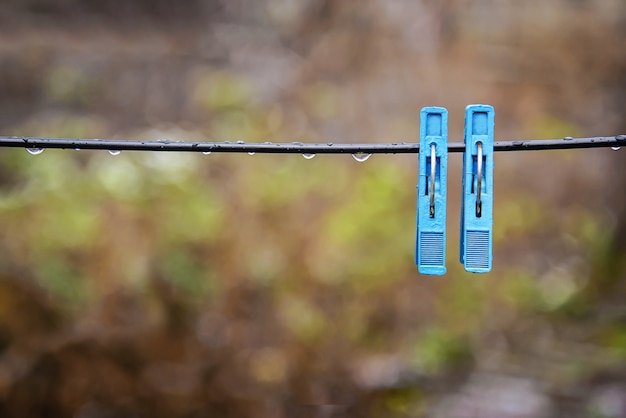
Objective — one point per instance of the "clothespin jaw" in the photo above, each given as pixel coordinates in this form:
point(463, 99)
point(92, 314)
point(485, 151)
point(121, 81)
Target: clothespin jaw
point(477, 199)
point(430, 249)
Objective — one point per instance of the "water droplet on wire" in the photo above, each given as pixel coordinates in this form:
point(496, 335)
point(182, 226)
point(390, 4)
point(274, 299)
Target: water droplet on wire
point(361, 156)
point(568, 138)
point(206, 152)
point(35, 151)
point(308, 156)
point(115, 152)
point(251, 153)
point(615, 148)
point(241, 142)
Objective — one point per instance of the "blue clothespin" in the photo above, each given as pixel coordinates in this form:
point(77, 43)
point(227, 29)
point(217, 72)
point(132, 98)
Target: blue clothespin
point(477, 199)
point(430, 249)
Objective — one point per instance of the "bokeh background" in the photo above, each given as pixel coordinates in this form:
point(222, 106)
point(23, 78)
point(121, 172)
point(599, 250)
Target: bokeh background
point(190, 285)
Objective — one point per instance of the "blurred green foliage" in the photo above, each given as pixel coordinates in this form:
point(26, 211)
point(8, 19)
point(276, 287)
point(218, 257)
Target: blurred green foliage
point(329, 238)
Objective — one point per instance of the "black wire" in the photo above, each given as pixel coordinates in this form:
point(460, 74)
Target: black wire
point(297, 147)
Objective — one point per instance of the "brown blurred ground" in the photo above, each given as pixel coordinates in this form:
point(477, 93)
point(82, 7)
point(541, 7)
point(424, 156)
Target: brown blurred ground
point(270, 286)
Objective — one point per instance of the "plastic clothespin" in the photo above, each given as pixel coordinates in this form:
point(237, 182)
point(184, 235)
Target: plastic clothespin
point(430, 249)
point(477, 199)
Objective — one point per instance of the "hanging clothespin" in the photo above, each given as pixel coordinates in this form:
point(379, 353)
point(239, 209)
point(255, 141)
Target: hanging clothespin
point(430, 249)
point(477, 199)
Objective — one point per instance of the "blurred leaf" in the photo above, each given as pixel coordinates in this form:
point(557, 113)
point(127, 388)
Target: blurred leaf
point(216, 91)
point(437, 350)
point(613, 338)
point(322, 100)
point(551, 127)
point(303, 319)
point(516, 216)
point(62, 125)
point(63, 282)
point(188, 275)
